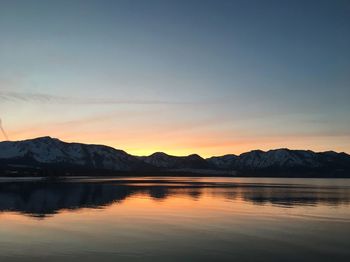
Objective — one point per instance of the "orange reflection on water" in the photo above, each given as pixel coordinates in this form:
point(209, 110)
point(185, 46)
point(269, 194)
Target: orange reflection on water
point(161, 218)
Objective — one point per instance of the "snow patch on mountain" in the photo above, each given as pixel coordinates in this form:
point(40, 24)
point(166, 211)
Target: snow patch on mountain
point(52, 151)
point(47, 150)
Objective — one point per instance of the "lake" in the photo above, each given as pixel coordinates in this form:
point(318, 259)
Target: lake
point(175, 219)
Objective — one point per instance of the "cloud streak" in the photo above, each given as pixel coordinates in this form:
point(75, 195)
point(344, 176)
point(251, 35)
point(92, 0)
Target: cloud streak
point(9, 96)
point(3, 130)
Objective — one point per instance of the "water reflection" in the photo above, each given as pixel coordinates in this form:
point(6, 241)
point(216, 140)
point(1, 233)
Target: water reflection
point(41, 199)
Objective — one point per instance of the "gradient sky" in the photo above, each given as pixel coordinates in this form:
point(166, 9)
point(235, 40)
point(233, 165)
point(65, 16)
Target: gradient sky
point(210, 77)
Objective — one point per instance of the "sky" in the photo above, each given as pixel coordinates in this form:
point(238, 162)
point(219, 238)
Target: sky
point(207, 77)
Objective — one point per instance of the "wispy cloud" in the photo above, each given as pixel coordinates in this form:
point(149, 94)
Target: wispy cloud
point(46, 98)
point(3, 130)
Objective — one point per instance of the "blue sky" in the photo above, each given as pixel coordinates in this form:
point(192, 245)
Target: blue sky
point(210, 77)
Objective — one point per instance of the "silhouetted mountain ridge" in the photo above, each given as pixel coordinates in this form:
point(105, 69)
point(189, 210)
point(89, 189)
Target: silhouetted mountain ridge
point(47, 152)
point(162, 160)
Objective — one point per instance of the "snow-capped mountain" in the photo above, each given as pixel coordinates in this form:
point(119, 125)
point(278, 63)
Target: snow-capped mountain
point(48, 151)
point(282, 159)
point(277, 158)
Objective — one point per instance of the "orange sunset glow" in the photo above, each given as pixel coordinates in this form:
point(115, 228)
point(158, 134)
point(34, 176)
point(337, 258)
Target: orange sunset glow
point(145, 140)
point(174, 130)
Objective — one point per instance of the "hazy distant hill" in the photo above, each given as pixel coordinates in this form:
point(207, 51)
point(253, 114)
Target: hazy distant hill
point(48, 153)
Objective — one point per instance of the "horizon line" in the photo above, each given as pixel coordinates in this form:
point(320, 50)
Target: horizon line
point(264, 151)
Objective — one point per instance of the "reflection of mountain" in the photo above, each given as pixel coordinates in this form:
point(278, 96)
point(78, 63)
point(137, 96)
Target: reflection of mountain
point(292, 196)
point(48, 198)
point(44, 198)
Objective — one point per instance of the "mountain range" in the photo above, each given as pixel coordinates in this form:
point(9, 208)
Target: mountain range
point(46, 154)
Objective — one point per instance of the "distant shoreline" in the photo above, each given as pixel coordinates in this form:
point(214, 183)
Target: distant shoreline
point(172, 174)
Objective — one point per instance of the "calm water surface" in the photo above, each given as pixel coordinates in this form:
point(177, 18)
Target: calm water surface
point(175, 219)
